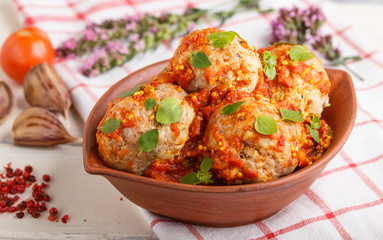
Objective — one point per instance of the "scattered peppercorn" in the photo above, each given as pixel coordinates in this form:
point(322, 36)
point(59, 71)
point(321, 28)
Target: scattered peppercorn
point(46, 178)
point(15, 182)
point(65, 218)
point(20, 214)
point(53, 211)
point(28, 169)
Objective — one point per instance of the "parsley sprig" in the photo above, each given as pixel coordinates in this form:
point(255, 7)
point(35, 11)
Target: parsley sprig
point(202, 176)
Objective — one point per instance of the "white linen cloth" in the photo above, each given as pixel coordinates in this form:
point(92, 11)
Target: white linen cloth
point(346, 202)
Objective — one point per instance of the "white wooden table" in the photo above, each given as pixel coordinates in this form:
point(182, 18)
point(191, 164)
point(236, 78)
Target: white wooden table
point(93, 204)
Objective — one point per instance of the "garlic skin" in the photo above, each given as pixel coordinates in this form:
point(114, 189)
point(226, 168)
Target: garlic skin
point(39, 127)
point(44, 88)
point(6, 101)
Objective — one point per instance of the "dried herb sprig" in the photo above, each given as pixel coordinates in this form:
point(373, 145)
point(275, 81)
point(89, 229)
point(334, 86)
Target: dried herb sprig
point(299, 26)
point(113, 42)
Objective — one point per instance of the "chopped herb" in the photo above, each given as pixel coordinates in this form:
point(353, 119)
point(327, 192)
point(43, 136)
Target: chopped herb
point(265, 125)
point(190, 178)
point(130, 92)
point(315, 134)
point(202, 176)
point(269, 63)
point(169, 111)
point(291, 115)
point(110, 125)
point(231, 108)
point(148, 141)
point(299, 53)
point(150, 103)
point(315, 124)
point(199, 60)
point(221, 39)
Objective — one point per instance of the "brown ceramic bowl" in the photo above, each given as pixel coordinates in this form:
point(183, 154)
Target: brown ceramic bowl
point(219, 206)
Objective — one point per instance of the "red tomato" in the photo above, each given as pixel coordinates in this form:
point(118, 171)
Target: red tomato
point(25, 49)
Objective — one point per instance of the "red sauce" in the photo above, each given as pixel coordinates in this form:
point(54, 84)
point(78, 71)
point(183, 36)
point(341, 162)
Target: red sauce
point(175, 129)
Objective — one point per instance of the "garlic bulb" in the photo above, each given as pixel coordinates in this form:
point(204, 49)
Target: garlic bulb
point(44, 88)
point(6, 101)
point(39, 127)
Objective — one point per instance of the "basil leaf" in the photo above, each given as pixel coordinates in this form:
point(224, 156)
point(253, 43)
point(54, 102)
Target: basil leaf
point(299, 53)
point(315, 122)
point(291, 115)
point(269, 64)
point(148, 141)
point(150, 103)
point(130, 92)
point(221, 39)
point(231, 108)
point(169, 111)
point(199, 60)
point(190, 178)
point(265, 125)
point(110, 125)
point(206, 164)
point(315, 134)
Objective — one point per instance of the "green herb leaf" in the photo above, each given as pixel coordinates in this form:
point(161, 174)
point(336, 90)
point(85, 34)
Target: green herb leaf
point(315, 134)
point(150, 103)
point(231, 108)
point(269, 64)
point(291, 115)
point(265, 125)
point(315, 122)
point(169, 111)
point(148, 141)
point(130, 92)
point(221, 39)
point(190, 178)
point(206, 164)
point(110, 125)
point(199, 60)
point(299, 53)
point(204, 177)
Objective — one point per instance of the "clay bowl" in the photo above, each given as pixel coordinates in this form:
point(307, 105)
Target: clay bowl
point(219, 206)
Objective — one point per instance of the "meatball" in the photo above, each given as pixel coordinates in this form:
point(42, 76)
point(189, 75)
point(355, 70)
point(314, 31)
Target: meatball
point(242, 155)
point(120, 149)
point(299, 85)
point(236, 65)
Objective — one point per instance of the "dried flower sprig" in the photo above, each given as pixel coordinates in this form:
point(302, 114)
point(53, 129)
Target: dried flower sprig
point(113, 42)
point(303, 26)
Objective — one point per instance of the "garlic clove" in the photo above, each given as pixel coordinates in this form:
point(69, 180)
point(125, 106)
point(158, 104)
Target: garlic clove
point(6, 101)
point(39, 127)
point(44, 88)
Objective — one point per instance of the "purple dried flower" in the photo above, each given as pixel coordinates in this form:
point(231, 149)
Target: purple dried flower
point(134, 37)
point(89, 34)
point(140, 45)
point(69, 44)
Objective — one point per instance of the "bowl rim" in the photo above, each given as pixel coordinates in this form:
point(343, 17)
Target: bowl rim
point(103, 170)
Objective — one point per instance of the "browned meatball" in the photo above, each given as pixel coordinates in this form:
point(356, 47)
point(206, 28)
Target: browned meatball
point(299, 85)
point(236, 65)
point(120, 149)
point(242, 155)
